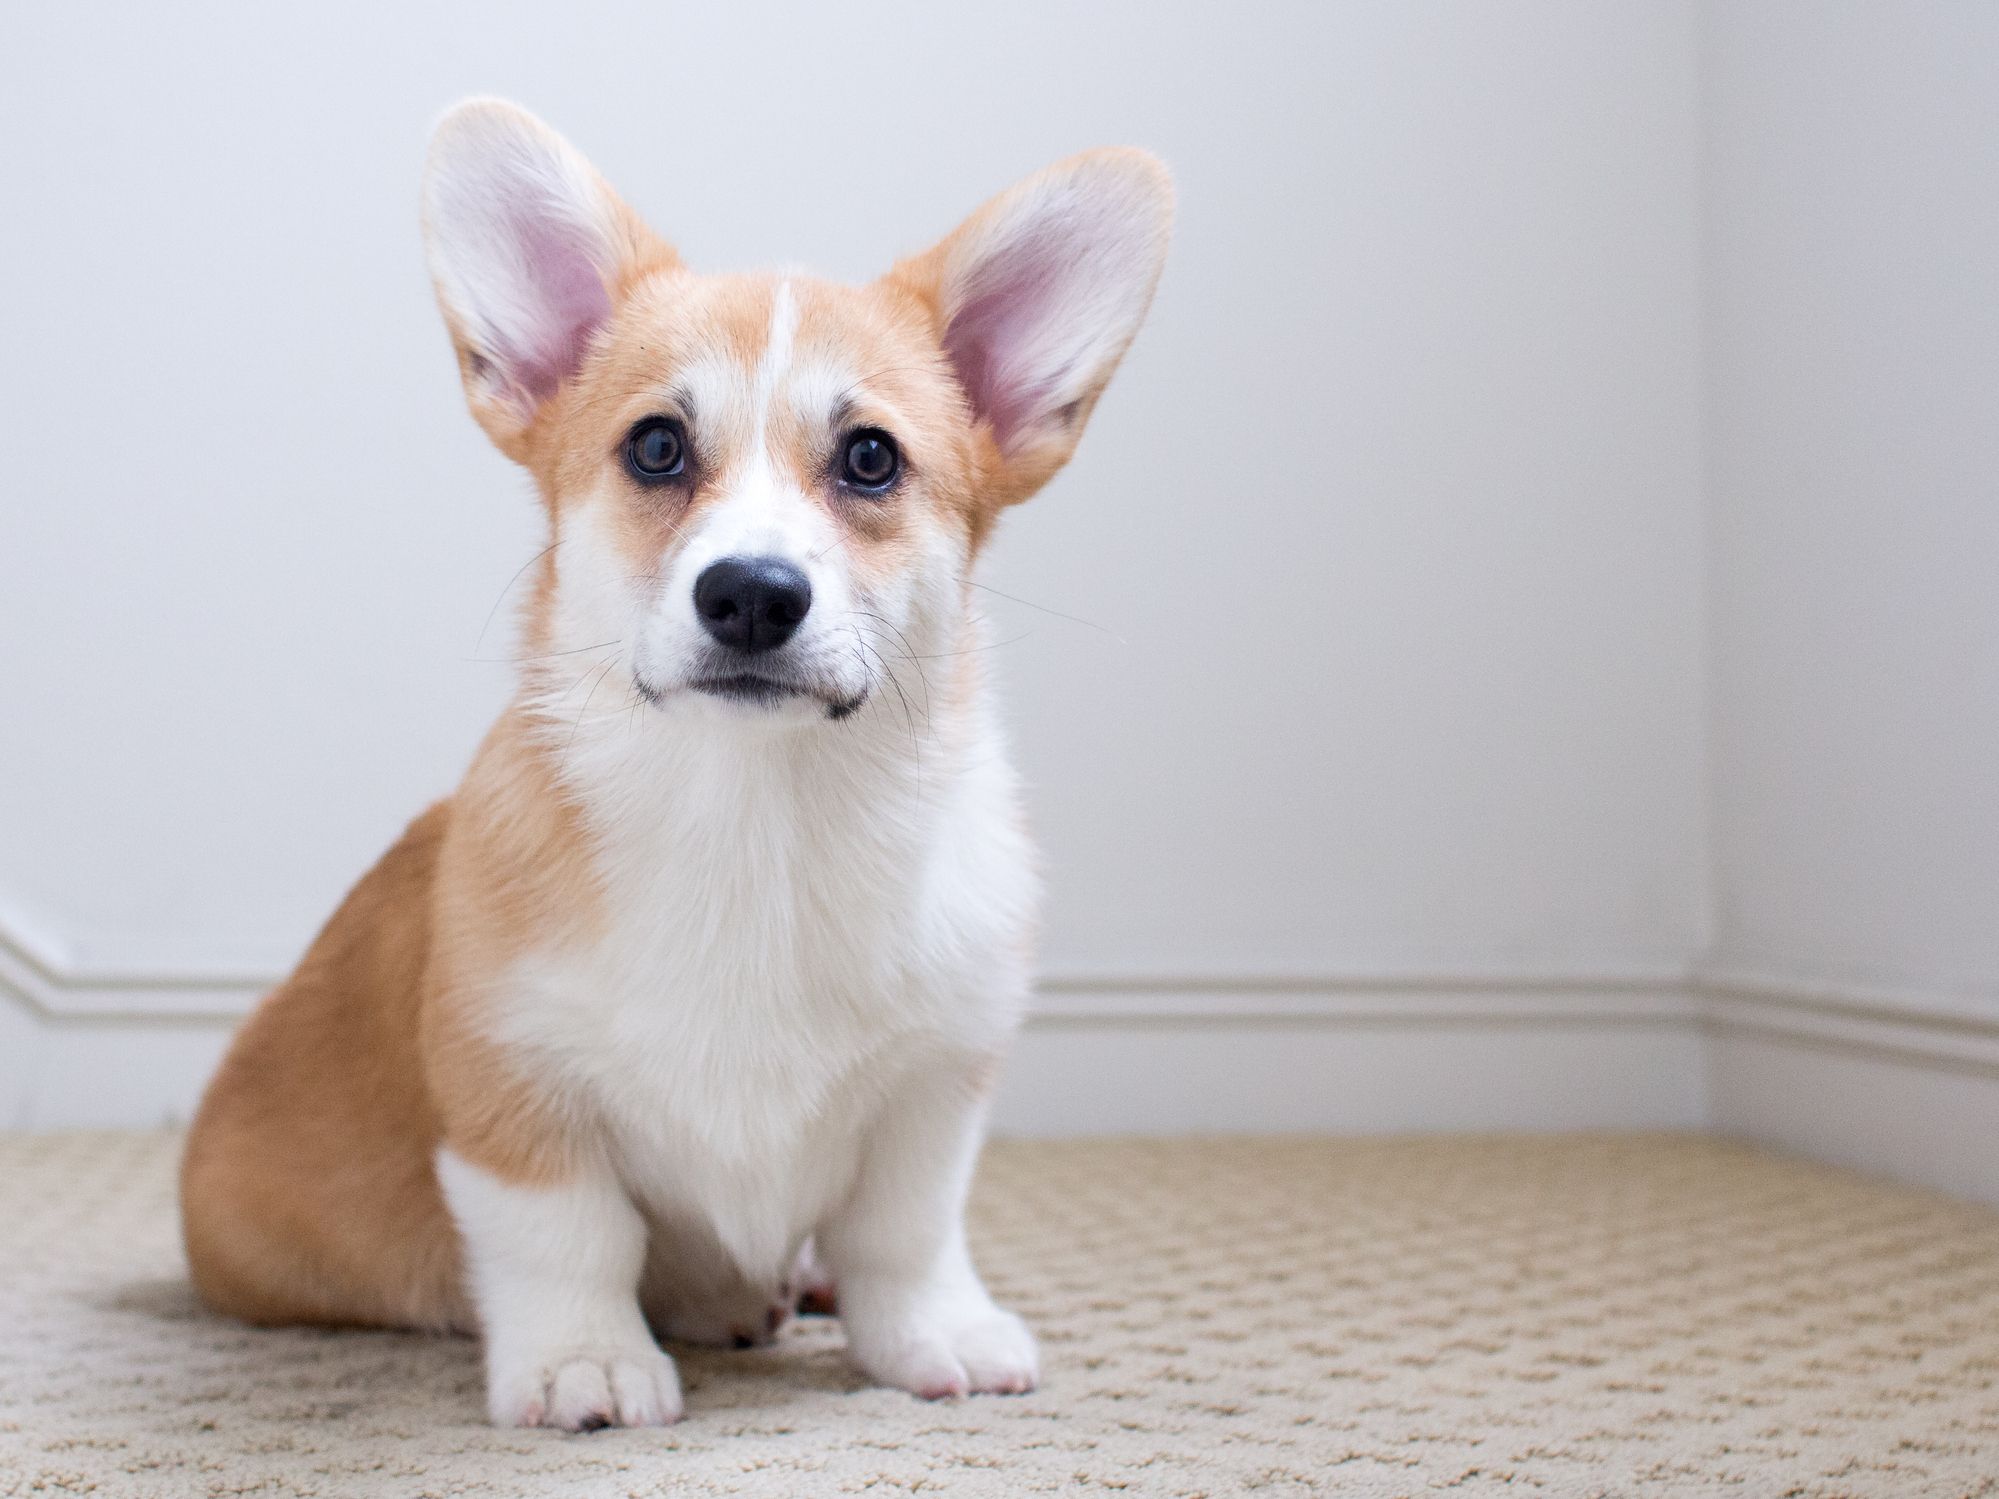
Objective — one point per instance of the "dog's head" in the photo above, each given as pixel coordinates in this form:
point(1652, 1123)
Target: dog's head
point(764, 490)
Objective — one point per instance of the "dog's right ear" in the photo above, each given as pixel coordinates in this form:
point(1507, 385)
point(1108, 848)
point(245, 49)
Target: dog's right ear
point(529, 250)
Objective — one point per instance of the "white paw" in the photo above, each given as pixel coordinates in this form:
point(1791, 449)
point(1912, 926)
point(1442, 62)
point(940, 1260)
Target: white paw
point(999, 1355)
point(583, 1389)
point(940, 1356)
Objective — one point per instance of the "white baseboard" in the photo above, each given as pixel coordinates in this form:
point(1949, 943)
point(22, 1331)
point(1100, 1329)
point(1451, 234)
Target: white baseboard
point(1932, 1125)
point(52, 978)
point(1361, 1055)
point(1887, 1081)
point(1891, 1081)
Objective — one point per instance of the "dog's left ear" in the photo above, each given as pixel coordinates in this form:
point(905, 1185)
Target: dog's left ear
point(1035, 299)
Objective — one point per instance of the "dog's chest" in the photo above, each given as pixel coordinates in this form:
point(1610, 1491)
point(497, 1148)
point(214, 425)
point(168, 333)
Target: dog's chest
point(767, 968)
point(729, 1066)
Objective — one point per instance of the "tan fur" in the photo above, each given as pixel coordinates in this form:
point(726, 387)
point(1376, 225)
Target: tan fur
point(513, 871)
point(307, 1191)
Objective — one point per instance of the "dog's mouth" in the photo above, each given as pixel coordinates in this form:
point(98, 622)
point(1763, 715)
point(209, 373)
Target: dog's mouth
point(753, 690)
point(746, 687)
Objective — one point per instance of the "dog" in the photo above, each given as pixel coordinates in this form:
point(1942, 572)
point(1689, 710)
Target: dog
point(694, 992)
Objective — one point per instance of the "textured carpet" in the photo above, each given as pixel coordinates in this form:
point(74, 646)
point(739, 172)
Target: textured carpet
point(1599, 1315)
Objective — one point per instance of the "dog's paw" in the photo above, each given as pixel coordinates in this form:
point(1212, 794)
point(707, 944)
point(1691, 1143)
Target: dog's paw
point(585, 1389)
point(968, 1351)
point(999, 1355)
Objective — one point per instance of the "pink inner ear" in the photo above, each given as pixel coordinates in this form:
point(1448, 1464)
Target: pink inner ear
point(572, 303)
point(1007, 300)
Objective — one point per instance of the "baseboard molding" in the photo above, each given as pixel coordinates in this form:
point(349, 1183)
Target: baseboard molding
point(1894, 1081)
point(1891, 1080)
point(45, 974)
point(1903, 1029)
point(59, 980)
point(1359, 1058)
point(1896, 1113)
point(1159, 1055)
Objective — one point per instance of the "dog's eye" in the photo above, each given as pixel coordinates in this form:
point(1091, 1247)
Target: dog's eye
point(872, 460)
point(656, 450)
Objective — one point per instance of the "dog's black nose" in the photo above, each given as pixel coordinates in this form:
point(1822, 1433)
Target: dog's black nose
point(751, 603)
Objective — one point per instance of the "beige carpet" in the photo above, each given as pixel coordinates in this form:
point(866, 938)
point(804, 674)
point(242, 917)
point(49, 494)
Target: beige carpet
point(1561, 1317)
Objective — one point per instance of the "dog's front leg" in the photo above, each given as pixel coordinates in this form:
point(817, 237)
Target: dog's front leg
point(554, 1271)
point(915, 1312)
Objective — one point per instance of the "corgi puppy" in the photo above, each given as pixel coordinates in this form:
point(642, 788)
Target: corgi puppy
point(697, 987)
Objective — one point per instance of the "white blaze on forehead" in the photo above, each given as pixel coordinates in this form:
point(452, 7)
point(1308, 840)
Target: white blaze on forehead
point(811, 389)
point(776, 360)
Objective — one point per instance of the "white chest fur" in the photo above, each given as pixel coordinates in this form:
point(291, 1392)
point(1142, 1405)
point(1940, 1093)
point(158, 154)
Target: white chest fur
point(795, 922)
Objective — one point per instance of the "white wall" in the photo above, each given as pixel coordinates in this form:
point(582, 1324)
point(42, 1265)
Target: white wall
point(1553, 506)
point(1390, 522)
point(1852, 174)
point(1852, 191)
